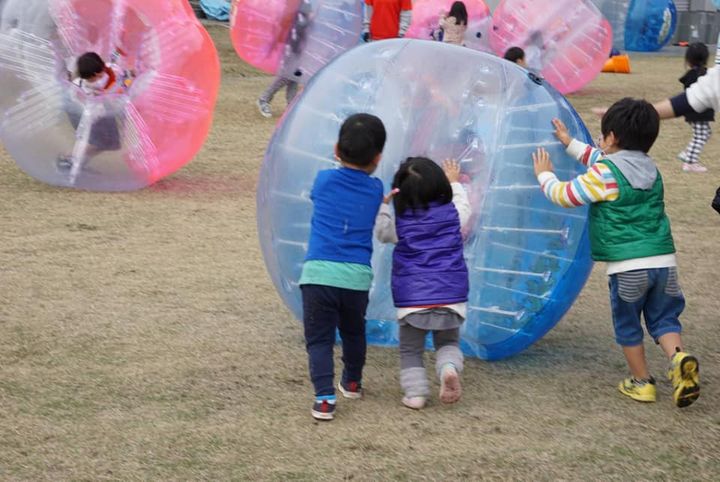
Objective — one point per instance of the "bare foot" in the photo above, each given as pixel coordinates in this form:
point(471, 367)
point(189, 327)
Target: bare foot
point(450, 389)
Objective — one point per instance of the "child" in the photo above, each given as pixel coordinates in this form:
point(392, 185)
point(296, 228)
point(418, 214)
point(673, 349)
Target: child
point(429, 275)
point(696, 57)
point(291, 89)
point(516, 55)
point(386, 19)
point(288, 79)
point(336, 276)
point(95, 78)
point(454, 24)
point(631, 232)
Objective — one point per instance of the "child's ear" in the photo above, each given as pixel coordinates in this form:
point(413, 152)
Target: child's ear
point(337, 152)
point(612, 139)
point(377, 159)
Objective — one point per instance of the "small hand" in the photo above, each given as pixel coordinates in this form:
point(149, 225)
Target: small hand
point(541, 161)
point(561, 132)
point(452, 170)
point(599, 111)
point(390, 195)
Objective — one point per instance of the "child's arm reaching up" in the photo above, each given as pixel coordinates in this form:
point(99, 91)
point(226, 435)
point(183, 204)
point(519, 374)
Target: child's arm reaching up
point(460, 198)
point(587, 155)
point(385, 221)
point(596, 185)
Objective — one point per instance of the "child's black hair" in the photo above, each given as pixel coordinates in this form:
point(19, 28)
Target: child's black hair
point(697, 55)
point(420, 182)
point(514, 54)
point(89, 65)
point(362, 137)
point(634, 122)
point(459, 11)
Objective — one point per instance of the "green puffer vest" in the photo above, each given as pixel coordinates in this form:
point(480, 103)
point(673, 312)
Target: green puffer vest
point(633, 226)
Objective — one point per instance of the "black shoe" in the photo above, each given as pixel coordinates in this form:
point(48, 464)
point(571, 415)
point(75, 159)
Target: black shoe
point(323, 410)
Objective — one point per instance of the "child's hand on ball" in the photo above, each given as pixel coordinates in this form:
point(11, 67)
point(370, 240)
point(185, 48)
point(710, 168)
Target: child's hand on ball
point(541, 161)
point(390, 195)
point(561, 132)
point(452, 170)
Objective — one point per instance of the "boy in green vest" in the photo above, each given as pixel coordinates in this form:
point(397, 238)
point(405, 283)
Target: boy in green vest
point(631, 232)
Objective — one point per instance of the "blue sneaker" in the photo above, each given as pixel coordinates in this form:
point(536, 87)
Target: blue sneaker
point(323, 409)
point(352, 390)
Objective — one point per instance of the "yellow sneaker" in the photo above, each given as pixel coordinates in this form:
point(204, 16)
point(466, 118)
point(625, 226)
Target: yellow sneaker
point(685, 377)
point(642, 391)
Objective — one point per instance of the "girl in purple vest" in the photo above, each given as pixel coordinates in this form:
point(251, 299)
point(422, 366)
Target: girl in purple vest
point(429, 275)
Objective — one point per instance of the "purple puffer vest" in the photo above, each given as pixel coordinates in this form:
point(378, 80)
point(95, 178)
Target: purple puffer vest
point(428, 264)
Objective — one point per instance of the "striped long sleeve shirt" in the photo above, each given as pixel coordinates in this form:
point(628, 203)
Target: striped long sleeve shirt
point(598, 184)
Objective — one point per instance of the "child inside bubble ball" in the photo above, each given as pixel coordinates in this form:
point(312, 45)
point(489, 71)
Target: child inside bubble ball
point(96, 78)
point(288, 80)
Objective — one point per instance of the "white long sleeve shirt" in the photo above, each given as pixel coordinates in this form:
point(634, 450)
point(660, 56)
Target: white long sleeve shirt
point(705, 93)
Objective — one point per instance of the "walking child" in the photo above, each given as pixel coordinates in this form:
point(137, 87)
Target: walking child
point(696, 58)
point(288, 79)
point(630, 231)
point(429, 274)
point(336, 275)
point(454, 24)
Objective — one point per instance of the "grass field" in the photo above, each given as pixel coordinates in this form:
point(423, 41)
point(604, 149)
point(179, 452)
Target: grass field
point(141, 339)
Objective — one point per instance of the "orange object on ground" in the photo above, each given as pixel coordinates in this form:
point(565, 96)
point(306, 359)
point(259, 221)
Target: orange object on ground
point(619, 64)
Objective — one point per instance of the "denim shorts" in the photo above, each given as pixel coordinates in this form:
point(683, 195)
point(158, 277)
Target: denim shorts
point(654, 293)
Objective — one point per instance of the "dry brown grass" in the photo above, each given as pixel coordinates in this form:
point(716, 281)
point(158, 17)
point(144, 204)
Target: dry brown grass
point(140, 338)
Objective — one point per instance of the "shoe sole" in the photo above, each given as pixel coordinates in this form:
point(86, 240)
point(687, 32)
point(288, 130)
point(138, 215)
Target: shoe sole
point(450, 389)
point(348, 394)
point(325, 417)
point(689, 371)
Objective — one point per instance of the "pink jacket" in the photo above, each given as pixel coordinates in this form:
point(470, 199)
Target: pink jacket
point(454, 33)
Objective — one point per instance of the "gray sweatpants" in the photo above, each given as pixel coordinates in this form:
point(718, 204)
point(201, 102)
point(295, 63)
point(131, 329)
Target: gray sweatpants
point(279, 83)
point(413, 380)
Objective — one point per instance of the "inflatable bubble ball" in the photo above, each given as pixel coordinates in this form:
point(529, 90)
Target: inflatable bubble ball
point(294, 38)
point(426, 18)
point(143, 113)
point(616, 12)
point(567, 41)
point(650, 25)
point(527, 258)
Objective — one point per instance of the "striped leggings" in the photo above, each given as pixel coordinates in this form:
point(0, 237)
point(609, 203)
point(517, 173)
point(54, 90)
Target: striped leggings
point(701, 134)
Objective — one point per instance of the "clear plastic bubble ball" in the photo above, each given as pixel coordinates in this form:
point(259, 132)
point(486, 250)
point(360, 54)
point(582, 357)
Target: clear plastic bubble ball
point(650, 25)
point(148, 120)
point(528, 259)
point(294, 38)
point(568, 41)
point(616, 12)
point(426, 18)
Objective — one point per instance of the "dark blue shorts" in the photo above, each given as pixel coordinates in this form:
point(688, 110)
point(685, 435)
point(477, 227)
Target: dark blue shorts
point(654, 293)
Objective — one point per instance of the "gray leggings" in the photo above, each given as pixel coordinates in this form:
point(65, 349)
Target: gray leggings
point(279, 83)
point(412, 347)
